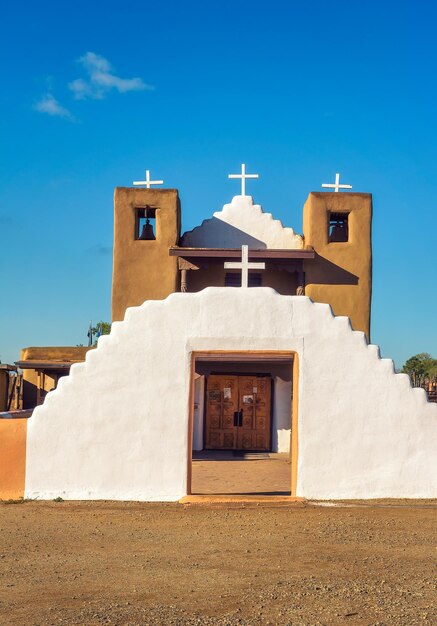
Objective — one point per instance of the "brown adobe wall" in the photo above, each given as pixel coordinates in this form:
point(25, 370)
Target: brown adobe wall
point(54, 353)
point(143, 270)
point(12, 458)
point(341, 273)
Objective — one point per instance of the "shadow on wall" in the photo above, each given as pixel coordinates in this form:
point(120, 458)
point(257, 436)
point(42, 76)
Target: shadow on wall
point(29, 394)
point(329, 273)
point(219, 234)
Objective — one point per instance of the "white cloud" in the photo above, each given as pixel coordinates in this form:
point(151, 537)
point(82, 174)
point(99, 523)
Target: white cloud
point(101, 79)
point(48, 104)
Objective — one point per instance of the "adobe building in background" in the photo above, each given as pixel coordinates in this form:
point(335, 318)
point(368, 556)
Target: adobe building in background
point(43, 368)
point(9, 387)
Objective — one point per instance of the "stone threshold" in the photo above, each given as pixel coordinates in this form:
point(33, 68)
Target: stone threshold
point(241, 499)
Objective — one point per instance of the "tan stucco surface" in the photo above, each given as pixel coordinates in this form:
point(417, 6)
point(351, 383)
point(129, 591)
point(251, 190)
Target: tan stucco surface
point(341, 273)
point(143, 270)
point(54, 353)
point(30, 385)
point(12, 458)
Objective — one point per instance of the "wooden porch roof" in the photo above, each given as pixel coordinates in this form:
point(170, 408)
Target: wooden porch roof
point(271, 255)
point(45, 365)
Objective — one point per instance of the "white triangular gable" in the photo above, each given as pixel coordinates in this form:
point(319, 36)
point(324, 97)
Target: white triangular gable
point(242, 222)
point(117, 427)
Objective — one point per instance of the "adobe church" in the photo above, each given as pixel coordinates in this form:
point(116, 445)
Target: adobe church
point(238, 335)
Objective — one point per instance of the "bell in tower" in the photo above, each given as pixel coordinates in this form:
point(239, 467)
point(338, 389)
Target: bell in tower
point(144, 227)
point(147, 232)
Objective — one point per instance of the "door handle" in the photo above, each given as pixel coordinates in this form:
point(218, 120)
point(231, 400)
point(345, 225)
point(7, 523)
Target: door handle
point(235, 418)
point(240, 418)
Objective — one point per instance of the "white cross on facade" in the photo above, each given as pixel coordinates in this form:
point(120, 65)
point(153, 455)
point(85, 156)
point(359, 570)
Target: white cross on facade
point(148, 182)
point(243, 177)
point(244, 266)
point(336, 186)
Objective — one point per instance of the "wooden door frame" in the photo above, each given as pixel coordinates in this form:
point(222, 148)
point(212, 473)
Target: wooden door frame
point(236, 355)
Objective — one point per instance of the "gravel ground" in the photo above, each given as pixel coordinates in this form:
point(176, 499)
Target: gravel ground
point(99, 563)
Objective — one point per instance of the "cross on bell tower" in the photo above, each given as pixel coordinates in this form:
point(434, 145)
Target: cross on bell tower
point(336, 186)
point(148, 183)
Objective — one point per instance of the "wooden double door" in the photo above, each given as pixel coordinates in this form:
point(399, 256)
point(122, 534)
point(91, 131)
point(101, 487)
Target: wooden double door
point(238, 412)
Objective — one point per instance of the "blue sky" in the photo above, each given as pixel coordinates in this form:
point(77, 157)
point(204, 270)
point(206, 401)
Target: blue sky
point(96, 92)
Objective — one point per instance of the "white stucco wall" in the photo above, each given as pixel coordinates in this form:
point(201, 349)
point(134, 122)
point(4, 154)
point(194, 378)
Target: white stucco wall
point(242, 222)
point(117, 427)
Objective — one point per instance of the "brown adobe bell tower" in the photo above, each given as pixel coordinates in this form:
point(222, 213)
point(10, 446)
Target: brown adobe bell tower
point(146, 224)
point(339, 227)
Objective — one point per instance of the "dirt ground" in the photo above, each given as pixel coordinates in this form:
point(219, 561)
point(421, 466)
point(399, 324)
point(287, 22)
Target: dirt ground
point(220, 473)
point(128, 563)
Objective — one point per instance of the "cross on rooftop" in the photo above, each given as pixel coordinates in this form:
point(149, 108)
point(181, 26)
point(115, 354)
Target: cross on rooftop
point(244, 265)
point(336, 186)
point(148, 182)
point(243, 177)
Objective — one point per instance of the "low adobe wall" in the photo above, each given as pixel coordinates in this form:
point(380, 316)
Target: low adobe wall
point(12, 457)
point(117, 427)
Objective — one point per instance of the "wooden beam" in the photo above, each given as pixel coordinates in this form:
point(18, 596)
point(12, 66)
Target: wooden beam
point(235, 253)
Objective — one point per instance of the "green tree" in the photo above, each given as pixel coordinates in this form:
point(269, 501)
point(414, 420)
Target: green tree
point(421, 368)
point(432, 372)
point(102, 328)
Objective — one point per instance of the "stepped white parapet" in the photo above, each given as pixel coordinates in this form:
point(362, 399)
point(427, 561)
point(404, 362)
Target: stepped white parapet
point(242, 222)
point(117, 427)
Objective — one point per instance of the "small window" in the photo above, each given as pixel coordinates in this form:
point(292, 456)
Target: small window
point(145, 223)
point(338, 227)
point(233, 279)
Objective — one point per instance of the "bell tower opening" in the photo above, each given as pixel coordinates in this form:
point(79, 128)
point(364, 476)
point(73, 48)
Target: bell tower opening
point(145, 223)
point(338, 229)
